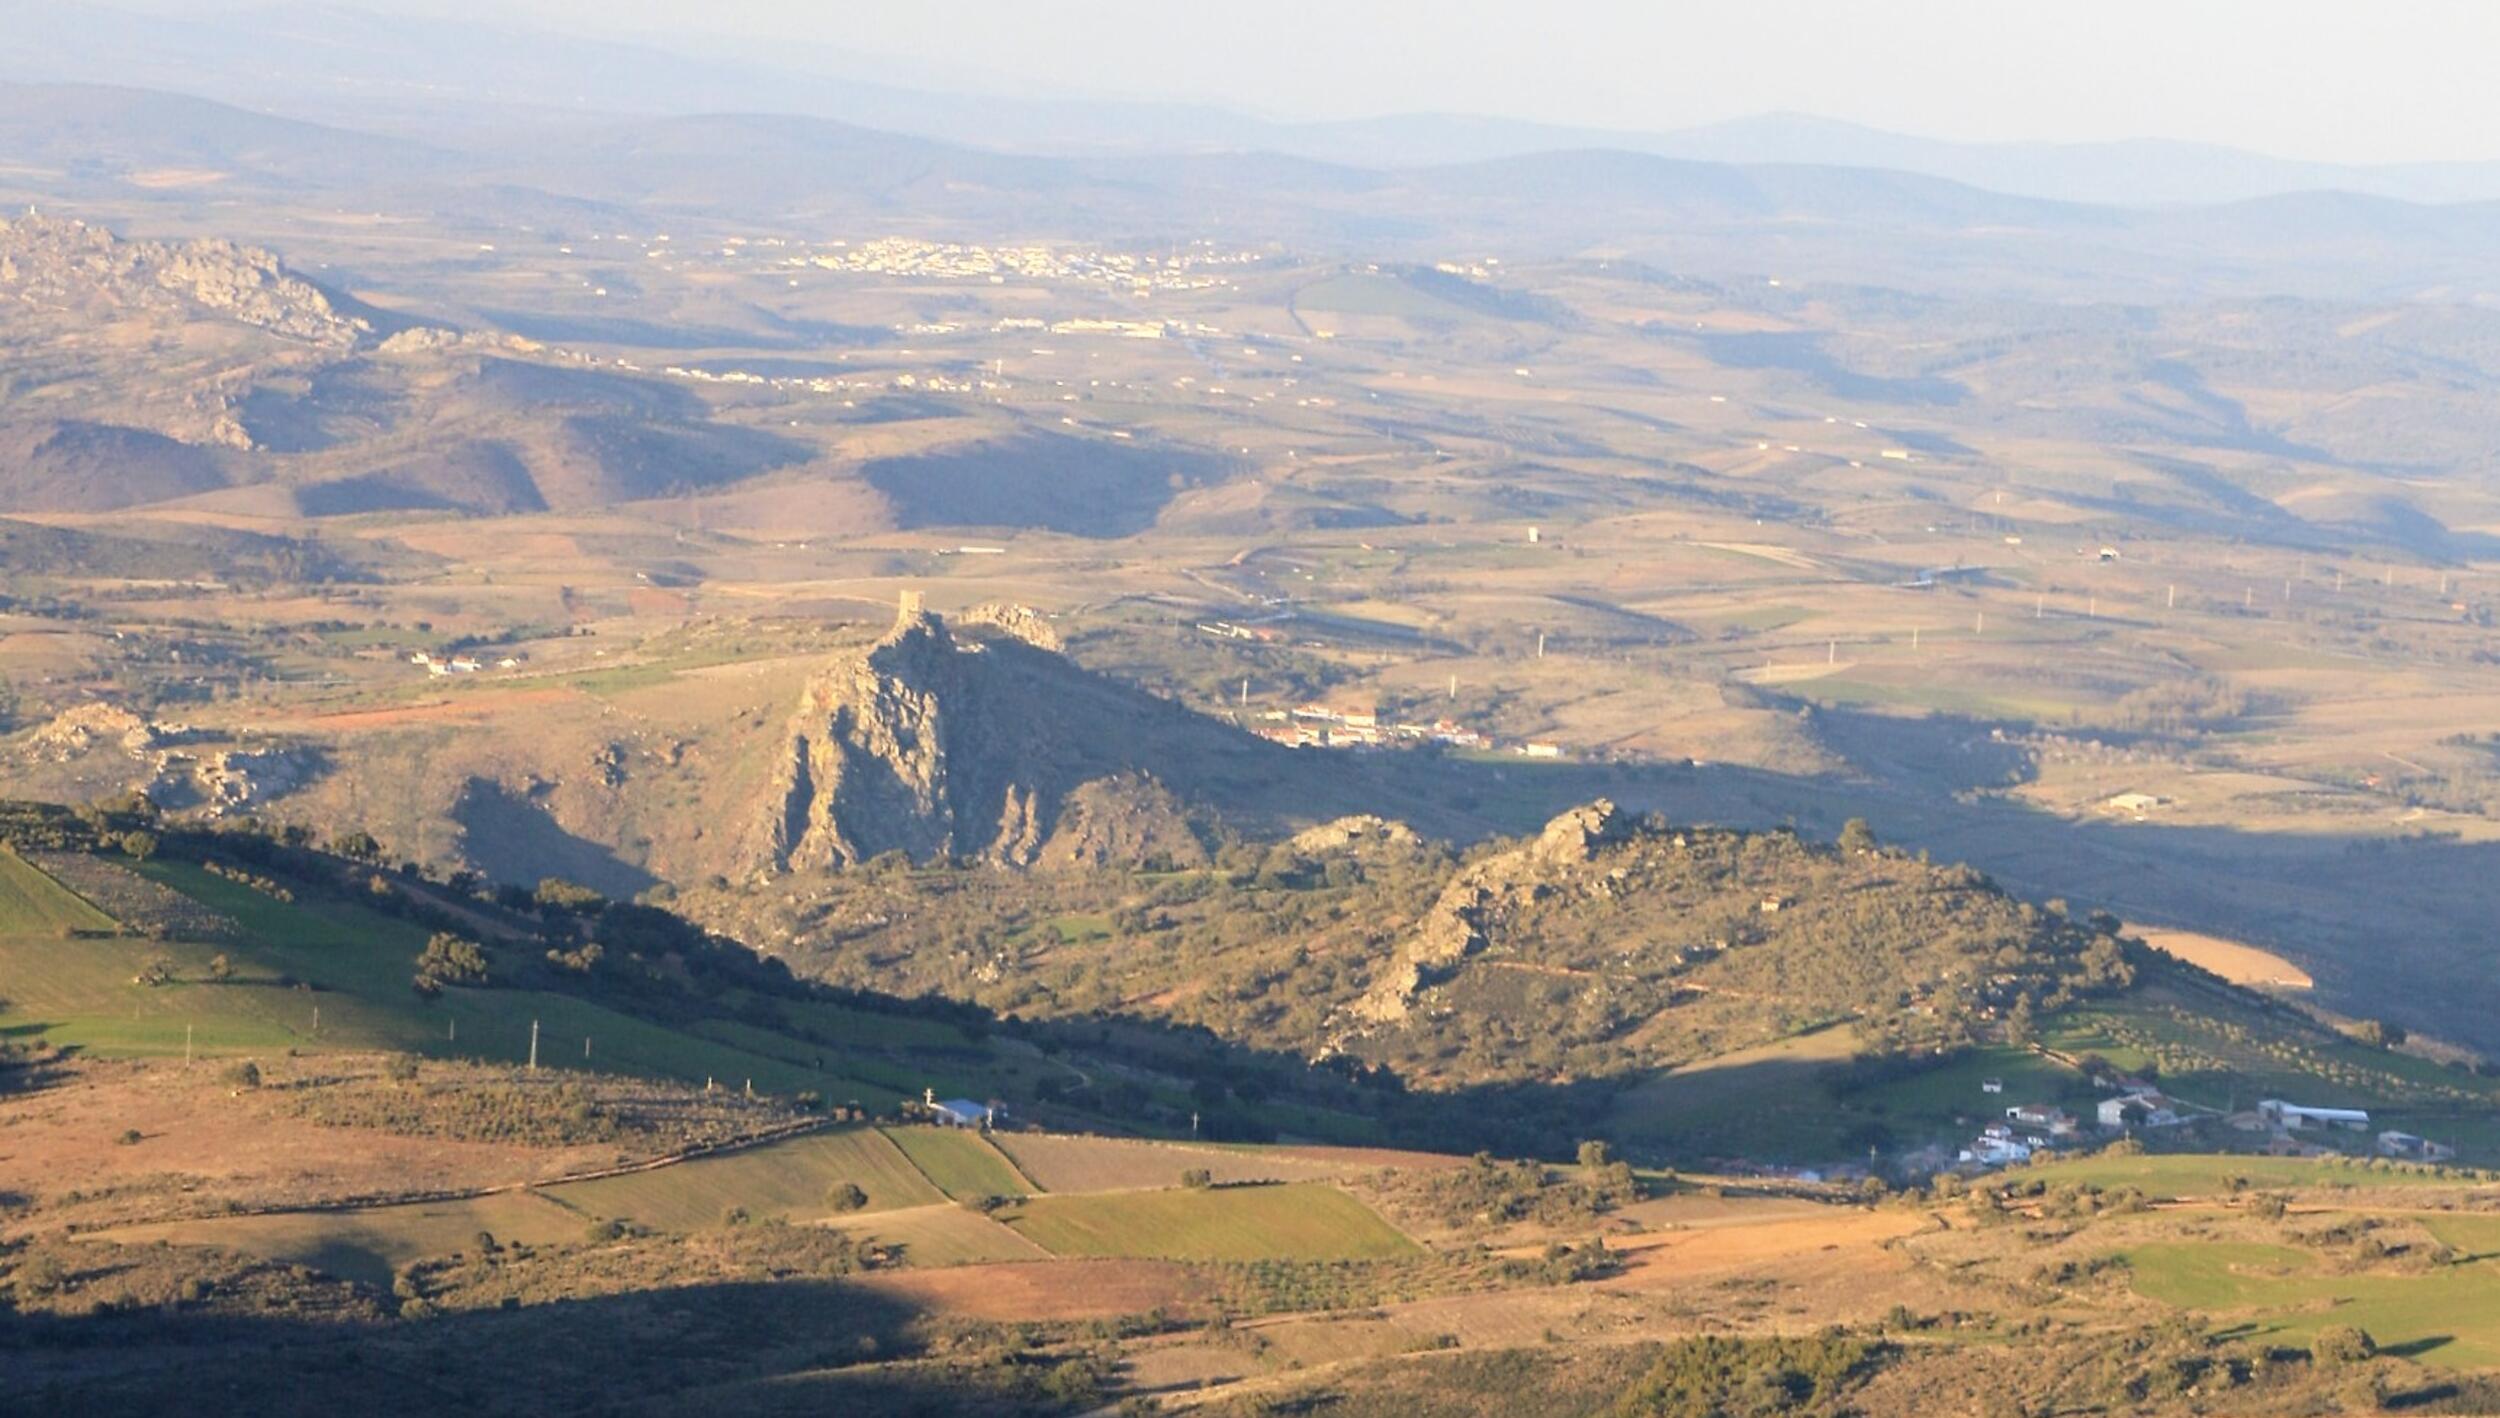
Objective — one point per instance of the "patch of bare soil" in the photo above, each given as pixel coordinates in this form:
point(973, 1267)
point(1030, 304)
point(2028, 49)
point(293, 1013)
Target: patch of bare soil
point(1046, 1290)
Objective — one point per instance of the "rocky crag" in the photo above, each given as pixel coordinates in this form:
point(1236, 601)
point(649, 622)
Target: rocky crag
point(1464, 917)
point(988, 744)
point(55, 262)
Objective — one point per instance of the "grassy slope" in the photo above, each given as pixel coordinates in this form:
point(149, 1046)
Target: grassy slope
point(2206, 1174)
point(944, 1234)
point(357, 964)
point(1301, 1221)
point(34, 905)
point(1063, 1163)
point(961, 1164)
point(2449, 1316)
point(783, 1179)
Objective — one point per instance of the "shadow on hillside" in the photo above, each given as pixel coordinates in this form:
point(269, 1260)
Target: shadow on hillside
point(518, 842)
point(2389, 925)
point(648, 1351)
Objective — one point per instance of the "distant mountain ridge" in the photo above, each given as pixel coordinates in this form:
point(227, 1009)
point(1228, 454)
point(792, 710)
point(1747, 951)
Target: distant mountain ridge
point(341, 65)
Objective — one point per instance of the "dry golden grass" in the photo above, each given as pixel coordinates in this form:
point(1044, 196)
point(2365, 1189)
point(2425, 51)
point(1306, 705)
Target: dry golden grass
point(941, 1235)
point(1068, 1163)
point(2239, 963)
point(1019, 1290)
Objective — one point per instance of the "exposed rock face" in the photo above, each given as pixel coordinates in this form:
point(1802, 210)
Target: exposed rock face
point(990, 747)
point(1346, 832)
point(1123, 821)
point(56, 262)
point(1462, 919)
point(76, 731)
point(867, 766)
point(179, 768)
point(1008, 618)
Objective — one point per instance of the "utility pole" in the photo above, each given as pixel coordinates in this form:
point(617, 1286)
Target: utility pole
point(2171, 602)
point(1831, 653)
point(1245, 690)
point(451, 1031)
point(2039, 607)
point(533, 1046)
point(186, 1046)
point(1540, 644)
point(585, 1047)
point(1979, 623)
point(1913, 637)
point(1453, 689)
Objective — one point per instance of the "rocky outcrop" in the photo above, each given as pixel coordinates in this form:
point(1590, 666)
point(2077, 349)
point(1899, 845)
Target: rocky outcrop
point(1020, 621)
point(1127, 820)
point(975, 740)
point(1345, 832)
point(866, 767)
point(181, 769)
point(56, 262)
point(1465, 916)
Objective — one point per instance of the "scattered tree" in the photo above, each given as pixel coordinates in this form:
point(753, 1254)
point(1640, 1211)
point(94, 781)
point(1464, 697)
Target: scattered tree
point(449, 960)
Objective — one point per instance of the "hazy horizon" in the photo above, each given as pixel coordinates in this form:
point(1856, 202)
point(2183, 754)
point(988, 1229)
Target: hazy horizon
point(2286, 79)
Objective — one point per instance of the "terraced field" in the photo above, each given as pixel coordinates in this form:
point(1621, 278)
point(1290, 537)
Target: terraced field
point(1063, 1163)
point(790, 1179)
point(961, 1164)
point(942, 1235)
point(1300, 1221)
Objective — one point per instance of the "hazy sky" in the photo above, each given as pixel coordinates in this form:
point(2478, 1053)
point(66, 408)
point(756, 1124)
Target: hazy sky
point(2355, 80)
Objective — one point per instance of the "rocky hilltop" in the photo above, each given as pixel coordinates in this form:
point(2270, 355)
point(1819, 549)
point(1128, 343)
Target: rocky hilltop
point(59, 263)
point(1464, 917)
point(981, 740)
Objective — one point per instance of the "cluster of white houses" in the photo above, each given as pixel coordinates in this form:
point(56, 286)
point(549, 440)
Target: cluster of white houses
point(2029, 1128)
point(1329, 726)
point(434, 664)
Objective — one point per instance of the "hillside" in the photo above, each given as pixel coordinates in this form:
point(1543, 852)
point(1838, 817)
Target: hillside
point(237, 943)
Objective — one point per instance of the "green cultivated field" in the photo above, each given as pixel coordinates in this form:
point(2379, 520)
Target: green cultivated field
point(1300, 1221)
point(961, 1163)
point(32, 904)
point(369, 1245)
point(2448, 1316)
point(782, 1179)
